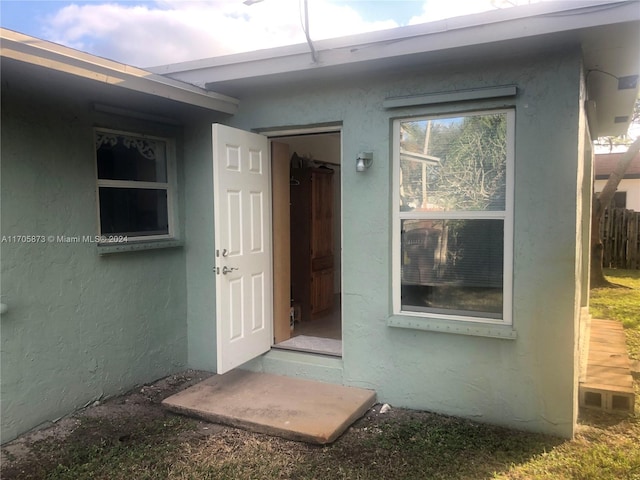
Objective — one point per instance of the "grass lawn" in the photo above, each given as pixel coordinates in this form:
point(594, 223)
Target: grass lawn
point(397, 445)
point(131, 437)
point(622, 304)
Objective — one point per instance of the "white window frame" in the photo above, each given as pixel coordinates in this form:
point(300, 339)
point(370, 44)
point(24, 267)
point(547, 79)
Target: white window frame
point(170, 186)
point(506, 215)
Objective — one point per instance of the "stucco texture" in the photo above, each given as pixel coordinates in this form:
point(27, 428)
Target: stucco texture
point(527, 383)
point(79, 326)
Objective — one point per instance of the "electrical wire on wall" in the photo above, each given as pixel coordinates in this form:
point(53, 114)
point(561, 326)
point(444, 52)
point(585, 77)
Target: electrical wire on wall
point(627, 82)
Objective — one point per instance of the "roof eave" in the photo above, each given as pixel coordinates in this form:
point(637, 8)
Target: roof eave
point(56, 57)
point(449, 34)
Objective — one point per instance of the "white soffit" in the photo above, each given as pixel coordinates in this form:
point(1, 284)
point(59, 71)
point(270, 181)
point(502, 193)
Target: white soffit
point(608, 53)
point(56, 57)
point(516, 23)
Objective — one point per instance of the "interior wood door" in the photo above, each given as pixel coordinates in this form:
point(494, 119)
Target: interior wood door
point(312, 241)
point(244, 279)
point(322, 215)
point(321, 242)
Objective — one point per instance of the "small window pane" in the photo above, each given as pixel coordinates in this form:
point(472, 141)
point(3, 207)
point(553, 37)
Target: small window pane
point(456, 163)
point(133, 211)
point(123, 157)
point(453, 266)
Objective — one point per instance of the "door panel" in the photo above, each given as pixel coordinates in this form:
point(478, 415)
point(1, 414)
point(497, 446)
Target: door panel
point(257, 305)
point(322, 215)
point(242, 210)
point(257, 221)
point(233, 227)
point(321, 291)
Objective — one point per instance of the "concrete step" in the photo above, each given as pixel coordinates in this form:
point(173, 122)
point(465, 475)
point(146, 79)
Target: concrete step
point(292, 408)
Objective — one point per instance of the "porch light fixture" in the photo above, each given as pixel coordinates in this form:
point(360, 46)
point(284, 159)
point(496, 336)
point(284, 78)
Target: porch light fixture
point(364, 161)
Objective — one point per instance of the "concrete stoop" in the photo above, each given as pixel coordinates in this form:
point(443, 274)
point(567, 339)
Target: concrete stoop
point(607, 384)
point(292, 408)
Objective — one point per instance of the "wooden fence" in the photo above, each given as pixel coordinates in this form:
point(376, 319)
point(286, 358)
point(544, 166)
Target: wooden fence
point(620, 230)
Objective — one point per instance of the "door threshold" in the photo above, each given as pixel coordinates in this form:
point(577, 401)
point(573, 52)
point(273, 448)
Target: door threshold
point(310, 344)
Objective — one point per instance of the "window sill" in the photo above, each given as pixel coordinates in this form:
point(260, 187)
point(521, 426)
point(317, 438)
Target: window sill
point(104, 249)
point(451, 326)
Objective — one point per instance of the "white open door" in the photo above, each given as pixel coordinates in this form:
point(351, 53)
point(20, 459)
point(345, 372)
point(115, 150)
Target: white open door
point(244, 279)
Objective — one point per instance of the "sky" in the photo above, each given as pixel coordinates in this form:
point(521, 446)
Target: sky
point(160, 32)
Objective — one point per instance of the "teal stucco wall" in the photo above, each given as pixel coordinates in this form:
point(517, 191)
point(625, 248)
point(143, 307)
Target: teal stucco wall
point(79, 326)
point(526, 383)
point(200, 250)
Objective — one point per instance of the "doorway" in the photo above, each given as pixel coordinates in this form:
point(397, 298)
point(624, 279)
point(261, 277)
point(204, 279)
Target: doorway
point(306, 185)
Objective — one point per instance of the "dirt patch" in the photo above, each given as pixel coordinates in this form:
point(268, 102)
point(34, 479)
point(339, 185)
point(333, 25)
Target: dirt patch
point(120, 414)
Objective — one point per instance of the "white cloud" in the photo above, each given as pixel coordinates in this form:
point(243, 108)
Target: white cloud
point(172, 30)
point(433, 10)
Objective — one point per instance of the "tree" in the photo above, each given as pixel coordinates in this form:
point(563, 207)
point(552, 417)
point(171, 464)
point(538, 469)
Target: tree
point(601, 201)
point(460, 162)
point(473, 168)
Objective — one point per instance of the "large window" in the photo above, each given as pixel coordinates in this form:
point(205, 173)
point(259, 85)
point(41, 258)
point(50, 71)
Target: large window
point(135, 186)
point(453, 216)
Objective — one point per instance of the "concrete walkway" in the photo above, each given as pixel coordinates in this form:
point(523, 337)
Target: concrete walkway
point(288, 407)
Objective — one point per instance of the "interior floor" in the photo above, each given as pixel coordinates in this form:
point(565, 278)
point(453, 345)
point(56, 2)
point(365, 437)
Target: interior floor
point(322, 335)
point(328, 325)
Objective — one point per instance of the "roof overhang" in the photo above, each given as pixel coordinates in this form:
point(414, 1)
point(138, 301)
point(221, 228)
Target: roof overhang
point(608, 32)
point(53, 57)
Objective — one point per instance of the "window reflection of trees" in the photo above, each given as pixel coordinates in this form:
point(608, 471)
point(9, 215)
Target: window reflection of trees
point(453, 170)
point(453, 164)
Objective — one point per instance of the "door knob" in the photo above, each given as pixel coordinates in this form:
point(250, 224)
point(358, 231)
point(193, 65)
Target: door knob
point(226, 269)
